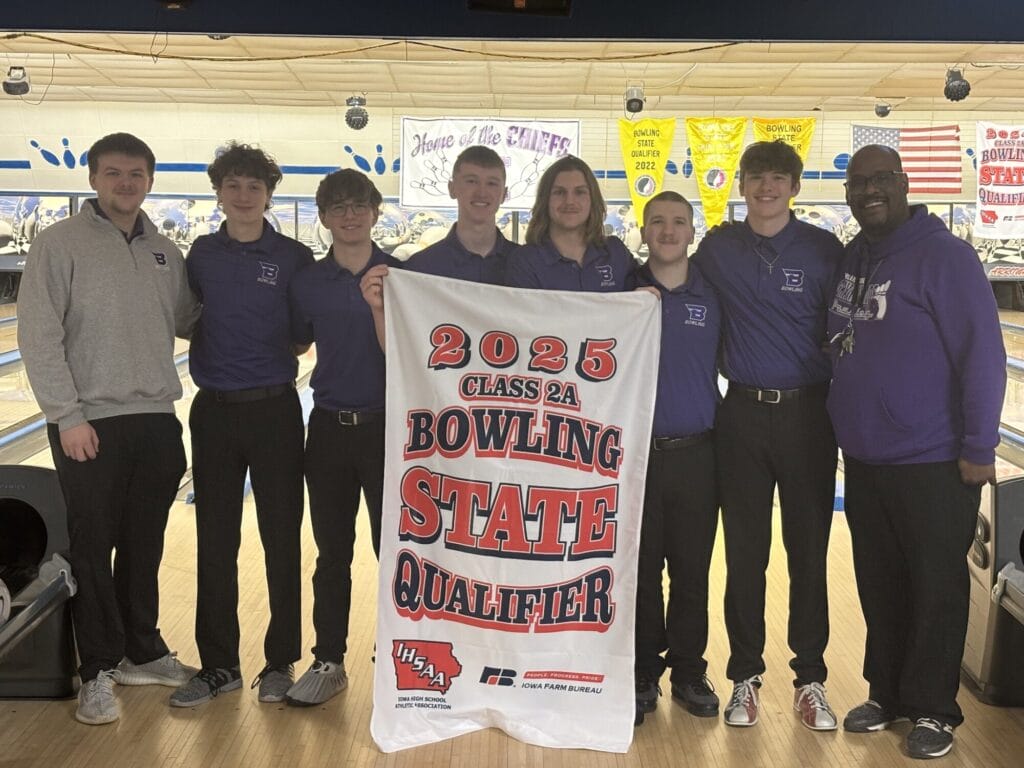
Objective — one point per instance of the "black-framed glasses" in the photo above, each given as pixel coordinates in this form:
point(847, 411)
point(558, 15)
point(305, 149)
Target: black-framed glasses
point(880, 180)
point(356, 209)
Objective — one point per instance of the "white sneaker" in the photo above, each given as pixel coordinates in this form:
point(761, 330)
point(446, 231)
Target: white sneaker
point(166, 670)
point(318, 684)
point(97, 704)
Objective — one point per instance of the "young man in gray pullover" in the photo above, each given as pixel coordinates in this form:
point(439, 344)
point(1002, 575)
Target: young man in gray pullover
point(102, 298)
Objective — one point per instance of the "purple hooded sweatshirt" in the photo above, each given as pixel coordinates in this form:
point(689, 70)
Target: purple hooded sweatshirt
point(925, 378)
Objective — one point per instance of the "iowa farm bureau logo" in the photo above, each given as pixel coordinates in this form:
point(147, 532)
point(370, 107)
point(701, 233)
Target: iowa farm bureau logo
point(562, 681)
point(498, 676)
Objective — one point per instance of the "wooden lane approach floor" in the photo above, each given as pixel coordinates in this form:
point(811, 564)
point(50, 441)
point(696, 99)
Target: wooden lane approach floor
point(235, 730)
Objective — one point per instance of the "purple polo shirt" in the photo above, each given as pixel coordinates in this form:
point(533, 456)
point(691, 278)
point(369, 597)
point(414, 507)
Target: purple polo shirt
point(329, 308)
point(244, 337)
point(691, 320)
point(450, 258)
point(606, 268)
point(773, 329)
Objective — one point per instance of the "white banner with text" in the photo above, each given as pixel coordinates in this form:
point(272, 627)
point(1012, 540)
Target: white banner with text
point(518, 428)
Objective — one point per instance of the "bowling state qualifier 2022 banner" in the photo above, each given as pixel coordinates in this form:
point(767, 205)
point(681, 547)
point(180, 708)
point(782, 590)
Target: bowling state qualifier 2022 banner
point(518, 426)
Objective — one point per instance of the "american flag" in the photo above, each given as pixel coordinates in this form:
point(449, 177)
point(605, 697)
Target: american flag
point(931, 156)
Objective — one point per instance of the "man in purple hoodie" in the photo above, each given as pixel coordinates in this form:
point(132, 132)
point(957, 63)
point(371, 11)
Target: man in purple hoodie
point(919, 373)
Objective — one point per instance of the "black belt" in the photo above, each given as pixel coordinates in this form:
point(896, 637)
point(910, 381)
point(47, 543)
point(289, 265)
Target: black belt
point(249, 395)
point(353, 418)
point(687, 441)
point(775, 396)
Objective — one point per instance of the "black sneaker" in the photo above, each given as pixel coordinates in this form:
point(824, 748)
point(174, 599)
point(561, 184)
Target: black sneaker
point(647, 693)
point(698, 697)
point(868, 717)
point(929, 738)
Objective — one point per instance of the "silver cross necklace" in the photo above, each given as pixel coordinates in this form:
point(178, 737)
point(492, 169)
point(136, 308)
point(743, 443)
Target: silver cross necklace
point(764, 241)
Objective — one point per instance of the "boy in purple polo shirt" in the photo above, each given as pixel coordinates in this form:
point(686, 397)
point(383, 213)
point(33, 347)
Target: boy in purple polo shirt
point(246, 416)
point(474, 248)
point(566, 248)
point(345, 444)
point(680, 501)
point(774, 276)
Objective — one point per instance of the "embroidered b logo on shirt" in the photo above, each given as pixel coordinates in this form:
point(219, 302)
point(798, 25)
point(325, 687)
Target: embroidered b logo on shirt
point(268, 273)
point(161, 260)
point(698, 314)
point(604, 271)
point(794, 280)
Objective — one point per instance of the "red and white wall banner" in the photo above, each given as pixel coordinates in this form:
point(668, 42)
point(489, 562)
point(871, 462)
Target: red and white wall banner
point(1000, 209)
point(527, 147)
point(518, 427)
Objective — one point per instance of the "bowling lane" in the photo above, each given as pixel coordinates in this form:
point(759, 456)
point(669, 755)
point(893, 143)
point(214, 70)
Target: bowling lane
point(1012, 338)
point(1013, 403)
point(8, 336)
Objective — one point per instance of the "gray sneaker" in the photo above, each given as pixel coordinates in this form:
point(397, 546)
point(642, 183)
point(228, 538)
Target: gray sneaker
point(166, 670)
point(274, 683)
point(206, 684)
point(97, 704)
point(321, 682)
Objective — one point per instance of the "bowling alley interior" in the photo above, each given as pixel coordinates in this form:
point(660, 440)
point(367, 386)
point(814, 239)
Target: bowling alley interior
point(357, 88)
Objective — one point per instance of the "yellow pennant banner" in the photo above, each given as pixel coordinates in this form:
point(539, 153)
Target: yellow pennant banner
point(715, 145)
point(795, 131)
point(645, 146)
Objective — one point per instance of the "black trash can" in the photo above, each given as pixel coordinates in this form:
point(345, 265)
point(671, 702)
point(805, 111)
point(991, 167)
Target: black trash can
point(33, 527)
point(992, 667)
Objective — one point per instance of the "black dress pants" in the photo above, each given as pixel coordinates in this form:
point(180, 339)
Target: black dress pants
point(679, 526)
point(119, 502)
point(340, 461)
point(789, 444)
point(911, 526)
point(265, 438)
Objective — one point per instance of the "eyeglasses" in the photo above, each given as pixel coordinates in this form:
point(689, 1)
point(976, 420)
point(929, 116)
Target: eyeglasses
point(356, 209)
point(880, 180)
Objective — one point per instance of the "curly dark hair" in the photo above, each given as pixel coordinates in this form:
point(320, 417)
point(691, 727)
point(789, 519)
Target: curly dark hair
point(244, 160)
